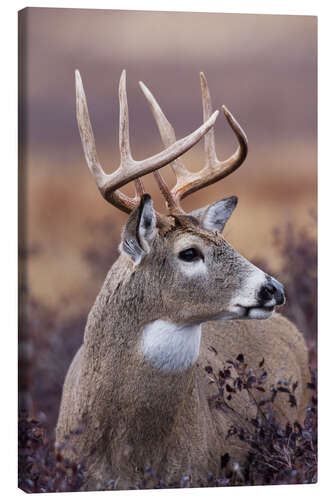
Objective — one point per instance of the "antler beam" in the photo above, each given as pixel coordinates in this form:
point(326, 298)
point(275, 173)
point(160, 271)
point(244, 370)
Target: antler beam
point(214, 169)
point(129, 168)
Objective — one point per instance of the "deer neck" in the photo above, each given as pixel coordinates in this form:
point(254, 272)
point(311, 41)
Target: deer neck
point(129, 317)
point(144, 364)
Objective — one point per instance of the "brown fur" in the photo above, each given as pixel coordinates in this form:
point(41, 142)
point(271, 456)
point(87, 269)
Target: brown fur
point(137, 403)
point(133, 414)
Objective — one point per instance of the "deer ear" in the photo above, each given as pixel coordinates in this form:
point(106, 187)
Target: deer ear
point(140, 230)
point(214, 217)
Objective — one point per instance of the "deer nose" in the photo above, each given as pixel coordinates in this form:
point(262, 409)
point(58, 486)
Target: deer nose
point(272, 290)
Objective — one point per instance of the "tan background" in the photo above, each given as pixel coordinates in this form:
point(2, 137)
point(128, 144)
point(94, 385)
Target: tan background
point(262, 67)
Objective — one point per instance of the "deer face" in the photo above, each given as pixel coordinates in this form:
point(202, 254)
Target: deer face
point(201, 276)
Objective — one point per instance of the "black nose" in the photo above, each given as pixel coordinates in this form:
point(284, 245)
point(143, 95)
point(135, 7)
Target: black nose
point(272, 290)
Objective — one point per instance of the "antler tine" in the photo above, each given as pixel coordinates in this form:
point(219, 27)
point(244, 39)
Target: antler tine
point(124, 143)
point(210, 151)
point(87, 135)
point(129, 169)
point(126, 159)
point(214, 169)
point(89, 147)
point(239, 156)
point(168, 137)
point(164, 126)
point(236, 159)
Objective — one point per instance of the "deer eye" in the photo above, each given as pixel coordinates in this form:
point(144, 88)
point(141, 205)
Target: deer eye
point(190, 254)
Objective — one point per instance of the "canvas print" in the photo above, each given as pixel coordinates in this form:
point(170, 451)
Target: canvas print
point(167, 250)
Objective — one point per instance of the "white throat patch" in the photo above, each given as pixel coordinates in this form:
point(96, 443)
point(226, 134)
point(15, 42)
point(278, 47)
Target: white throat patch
point(171, 347)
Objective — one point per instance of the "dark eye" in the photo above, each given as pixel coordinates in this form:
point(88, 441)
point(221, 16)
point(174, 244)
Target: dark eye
point(190, 254)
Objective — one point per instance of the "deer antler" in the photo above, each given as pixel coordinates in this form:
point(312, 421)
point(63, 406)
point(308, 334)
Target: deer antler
point(129, 169)
point(214, 169)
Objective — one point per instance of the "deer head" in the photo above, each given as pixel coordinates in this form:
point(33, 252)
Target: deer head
point(200, 276)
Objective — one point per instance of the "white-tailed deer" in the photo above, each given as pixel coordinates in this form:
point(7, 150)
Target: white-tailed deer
point(172, 304)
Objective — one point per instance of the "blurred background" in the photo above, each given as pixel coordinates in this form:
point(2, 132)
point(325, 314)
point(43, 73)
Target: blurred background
point(262, 67)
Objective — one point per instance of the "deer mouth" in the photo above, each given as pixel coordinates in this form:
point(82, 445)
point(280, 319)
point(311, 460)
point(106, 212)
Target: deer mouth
point(254, 312)
point(259, 312)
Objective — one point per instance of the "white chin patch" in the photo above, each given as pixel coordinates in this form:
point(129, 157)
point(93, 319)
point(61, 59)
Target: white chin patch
point(169, 346)
point(260, 313)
